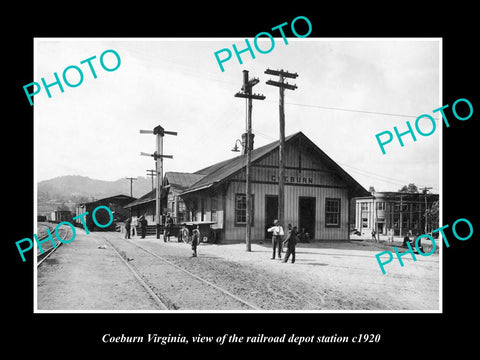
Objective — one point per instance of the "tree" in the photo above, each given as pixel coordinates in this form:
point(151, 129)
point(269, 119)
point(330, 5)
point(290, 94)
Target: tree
point(433, 216)
point(371, 189)
point(409, 189)
point(62, 207)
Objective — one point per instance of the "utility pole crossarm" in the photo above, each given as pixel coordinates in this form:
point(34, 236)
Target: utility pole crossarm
point(153, 132)
point(250, 96)
point(281, 72)
point(156, 156)
point(281, 84)
point(170, 133)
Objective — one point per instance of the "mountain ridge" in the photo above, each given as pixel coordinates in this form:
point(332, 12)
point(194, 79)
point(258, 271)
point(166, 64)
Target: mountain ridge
point(69, 190)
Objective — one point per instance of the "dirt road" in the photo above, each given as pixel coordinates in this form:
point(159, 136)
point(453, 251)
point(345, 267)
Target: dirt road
point(86, 274)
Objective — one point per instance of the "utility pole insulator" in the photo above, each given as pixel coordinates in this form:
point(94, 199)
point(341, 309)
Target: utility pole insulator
point(250, 96)
point(281, 84)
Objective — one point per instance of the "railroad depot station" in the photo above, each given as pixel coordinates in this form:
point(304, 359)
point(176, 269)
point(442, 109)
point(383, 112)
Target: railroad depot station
point(318, 193)
point(320, 197)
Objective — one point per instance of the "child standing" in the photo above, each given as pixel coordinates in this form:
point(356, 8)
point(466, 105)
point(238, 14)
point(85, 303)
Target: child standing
point(195, 240)
point(291, 241)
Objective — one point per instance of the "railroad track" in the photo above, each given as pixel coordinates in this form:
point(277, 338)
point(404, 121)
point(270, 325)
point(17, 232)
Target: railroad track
point(48, 249)
point(164, 299)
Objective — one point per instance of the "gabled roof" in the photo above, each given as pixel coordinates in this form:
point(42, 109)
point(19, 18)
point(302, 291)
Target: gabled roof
point(221, 171)
point(120, 197)
point(180, 181)
point(150, 196)
point(183, 183)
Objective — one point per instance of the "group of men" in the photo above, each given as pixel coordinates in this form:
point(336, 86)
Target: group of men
point(290, 239)
point(406, 240)
point(279, 238)
point(131, 229)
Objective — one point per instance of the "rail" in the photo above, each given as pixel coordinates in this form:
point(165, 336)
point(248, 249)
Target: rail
point(151, 291)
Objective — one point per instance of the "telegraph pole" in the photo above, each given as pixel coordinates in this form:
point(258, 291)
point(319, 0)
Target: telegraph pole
point(281, 159)
point(158, 157)
point(375, 217)
point(401, 214)
point(131, 181)
point(425, 190)
point(247, 94)
point(152, 174)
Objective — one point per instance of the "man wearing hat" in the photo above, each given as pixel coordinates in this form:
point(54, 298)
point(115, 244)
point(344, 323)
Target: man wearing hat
point(143, 226)
point(277, 233)
point(291, 241)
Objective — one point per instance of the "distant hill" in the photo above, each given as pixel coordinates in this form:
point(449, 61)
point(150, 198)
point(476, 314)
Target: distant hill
point(66, 191)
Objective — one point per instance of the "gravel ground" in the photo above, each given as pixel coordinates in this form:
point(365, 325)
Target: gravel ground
point(80, 276)
point(325, 276)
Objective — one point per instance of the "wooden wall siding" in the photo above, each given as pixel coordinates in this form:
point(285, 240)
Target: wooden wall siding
point(292, 194)
point(301, 168)
point(292, 159)
point(304, 177)
point(208, 213)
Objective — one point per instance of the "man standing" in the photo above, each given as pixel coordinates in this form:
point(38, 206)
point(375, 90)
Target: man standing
point(168, 228)
point(128, 222)
point(277, 232)
point(143, 226)
point(291, 241)
point(134, 227)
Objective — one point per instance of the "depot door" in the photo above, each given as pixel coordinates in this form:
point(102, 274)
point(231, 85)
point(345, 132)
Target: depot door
point(306, 215)
point(271, 212)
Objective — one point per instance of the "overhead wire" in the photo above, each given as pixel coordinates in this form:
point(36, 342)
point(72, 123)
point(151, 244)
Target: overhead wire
point(269, 137)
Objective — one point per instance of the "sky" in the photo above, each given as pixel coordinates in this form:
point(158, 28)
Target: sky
point(348, 90)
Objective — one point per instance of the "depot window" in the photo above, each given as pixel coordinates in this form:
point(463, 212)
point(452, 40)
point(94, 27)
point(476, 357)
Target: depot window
point(202, 209)
point(213, 208)
point(241, 210)
point(332, 212)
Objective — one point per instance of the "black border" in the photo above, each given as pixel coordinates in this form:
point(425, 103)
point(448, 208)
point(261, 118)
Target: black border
point(407, 333)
